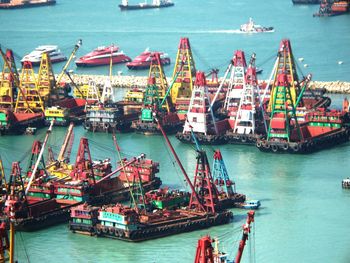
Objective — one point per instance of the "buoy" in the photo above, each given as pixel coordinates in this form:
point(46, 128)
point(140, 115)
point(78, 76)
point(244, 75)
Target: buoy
point(301, 59)
point(340, 62)
point(306, 65)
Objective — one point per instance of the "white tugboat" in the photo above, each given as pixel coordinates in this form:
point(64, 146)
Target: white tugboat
point(251, 27)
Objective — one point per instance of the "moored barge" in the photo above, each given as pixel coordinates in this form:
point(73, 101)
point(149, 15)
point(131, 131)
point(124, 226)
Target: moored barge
point(321, 129)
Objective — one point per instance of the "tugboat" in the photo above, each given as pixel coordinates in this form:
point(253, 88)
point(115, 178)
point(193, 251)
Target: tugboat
point(157, 102)
point(102, 56)
point(144, 60)
point(156, 4)
point(35, 56)
point(200, 118)
point(250, 27)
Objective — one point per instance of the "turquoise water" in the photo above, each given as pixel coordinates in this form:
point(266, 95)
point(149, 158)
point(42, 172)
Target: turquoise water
point(304, 214)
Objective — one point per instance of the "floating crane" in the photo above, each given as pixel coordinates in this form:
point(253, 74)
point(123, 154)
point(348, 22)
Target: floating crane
point(157, 101)
point(200, 117)
point(9, 81)
point(242, 103)
point(285, 64)
point(29, 100)
point(181, 92)
point(46, 80)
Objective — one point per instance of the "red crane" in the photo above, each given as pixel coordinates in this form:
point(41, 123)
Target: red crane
point(206, 254)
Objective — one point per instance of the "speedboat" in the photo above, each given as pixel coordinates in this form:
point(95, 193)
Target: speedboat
point(35, 56)
point(101, 56)
point(251, 204)
point(143, 61)
point(250, 27)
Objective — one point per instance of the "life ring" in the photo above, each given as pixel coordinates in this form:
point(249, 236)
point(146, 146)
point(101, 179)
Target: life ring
point(87, 125)
point(274, 147)
point(265, 145)
point(295, 147)
point(285, 147)
point(104, 230)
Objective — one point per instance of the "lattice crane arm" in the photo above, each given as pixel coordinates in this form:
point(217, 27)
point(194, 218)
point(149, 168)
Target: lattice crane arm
point(76, 47)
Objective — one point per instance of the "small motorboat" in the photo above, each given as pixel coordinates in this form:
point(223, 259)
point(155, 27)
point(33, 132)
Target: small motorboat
point(143, 61)
point(35, 56)
point(250, 27)
point(102, 56)
point(346, 183)
point(30, 131)
point(251, 204)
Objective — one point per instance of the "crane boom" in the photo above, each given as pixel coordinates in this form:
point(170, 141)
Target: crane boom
point(76, 47)
point(180, 164)
point(122, 167)
point(66, 142)
point(39, 157)
point(246, 231)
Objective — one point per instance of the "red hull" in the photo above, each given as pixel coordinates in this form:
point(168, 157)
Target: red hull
point(102, 61)
point(144, 60)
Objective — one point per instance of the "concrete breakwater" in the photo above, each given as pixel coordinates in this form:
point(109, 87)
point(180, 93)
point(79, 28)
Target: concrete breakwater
point(141, 82)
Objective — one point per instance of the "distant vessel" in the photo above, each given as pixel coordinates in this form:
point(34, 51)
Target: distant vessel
point(35, 56)
point(306, 1)
point(101, 56)
point(346, 183)
point(143, 61)
point(333, 8)
point(155, 4)
point(250, 27)
point(12, 4)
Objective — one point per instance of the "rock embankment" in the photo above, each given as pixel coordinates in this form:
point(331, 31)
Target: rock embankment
point(141, 81)
point(332, 86)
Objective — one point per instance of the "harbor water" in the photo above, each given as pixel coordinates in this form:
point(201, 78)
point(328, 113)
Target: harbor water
point(305, 213)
